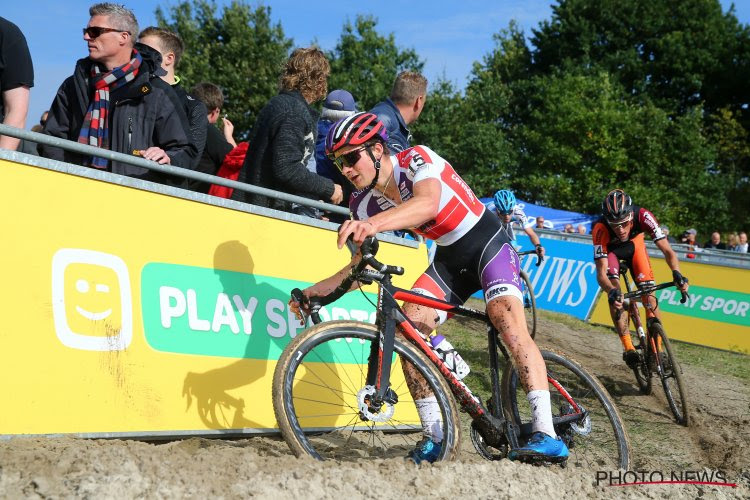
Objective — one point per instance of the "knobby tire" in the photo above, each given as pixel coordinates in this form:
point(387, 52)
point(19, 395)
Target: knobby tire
point(315, 387)
point(607, 444)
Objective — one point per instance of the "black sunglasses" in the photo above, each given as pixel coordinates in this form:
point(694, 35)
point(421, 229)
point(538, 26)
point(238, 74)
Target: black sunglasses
point(97, 31)
point(349, 159)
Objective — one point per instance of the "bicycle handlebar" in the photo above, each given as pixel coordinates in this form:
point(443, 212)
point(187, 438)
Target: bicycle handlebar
point(647, 290)
point(652, 288)
point(539, 257)
point(369, 248)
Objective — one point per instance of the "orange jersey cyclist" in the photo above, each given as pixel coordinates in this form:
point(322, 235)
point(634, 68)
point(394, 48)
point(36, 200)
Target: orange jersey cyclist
point(620, 235)
point(417, 189)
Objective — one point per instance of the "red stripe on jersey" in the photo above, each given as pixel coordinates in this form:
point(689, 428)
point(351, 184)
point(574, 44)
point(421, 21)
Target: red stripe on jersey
point(462, 190)
point(452, 214)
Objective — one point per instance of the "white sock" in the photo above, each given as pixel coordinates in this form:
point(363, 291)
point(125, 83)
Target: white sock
point(432, 419)
point(541, 412)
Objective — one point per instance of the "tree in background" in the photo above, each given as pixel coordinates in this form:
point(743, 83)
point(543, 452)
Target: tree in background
point(647, 95)
point(366, 63)
point(625, 94)
point(239, 50)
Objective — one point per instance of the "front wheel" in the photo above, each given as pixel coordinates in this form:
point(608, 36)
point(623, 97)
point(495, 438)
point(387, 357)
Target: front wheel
point(583, 413)
point(670, 374)
point(321, 398)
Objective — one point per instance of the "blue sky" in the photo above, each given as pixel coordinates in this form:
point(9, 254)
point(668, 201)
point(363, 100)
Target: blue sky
point(449, 35)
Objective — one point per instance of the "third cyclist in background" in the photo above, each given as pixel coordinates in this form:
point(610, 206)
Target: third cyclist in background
point(619, 235)
point(509, 211)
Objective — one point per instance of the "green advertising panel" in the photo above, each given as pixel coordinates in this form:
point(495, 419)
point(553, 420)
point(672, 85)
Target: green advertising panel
point(203, 311)
point(708, 303)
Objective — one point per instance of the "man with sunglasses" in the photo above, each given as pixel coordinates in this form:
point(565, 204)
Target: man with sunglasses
point(620, 235)
point(116, 100)
point(417, 189)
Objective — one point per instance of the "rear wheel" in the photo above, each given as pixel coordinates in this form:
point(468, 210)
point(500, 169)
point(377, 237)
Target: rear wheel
point(529, 304)
point(670, 373)
point(583, 413)
point(321, 399)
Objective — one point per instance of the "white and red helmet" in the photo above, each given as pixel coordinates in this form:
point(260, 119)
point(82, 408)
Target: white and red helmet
point(355, 130)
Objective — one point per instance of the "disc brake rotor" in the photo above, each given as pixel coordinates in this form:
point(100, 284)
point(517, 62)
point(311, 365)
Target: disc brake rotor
point(384, 413)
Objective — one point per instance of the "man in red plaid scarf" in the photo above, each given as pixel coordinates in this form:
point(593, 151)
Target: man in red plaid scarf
point(115, 100)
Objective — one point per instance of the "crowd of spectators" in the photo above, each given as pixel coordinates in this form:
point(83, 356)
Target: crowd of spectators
point(736, 242)
point(125, 95)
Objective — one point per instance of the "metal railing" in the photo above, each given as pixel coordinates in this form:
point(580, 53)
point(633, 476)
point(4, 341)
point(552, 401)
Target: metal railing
point(700, 255)
point(167, 169)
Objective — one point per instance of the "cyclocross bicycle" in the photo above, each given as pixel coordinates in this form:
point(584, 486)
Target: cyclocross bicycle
point(339, 392)
point(650, 342)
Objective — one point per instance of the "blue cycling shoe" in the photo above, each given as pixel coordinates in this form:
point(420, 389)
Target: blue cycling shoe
point(541, 447)
point(426, 451)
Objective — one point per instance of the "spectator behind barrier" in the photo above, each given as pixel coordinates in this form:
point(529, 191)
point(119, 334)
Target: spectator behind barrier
point(16, 80)
point(665, 230)
point(741, 242)
point(218, 144)
point(339, 104)
point(402, 108)
point(688, 238)
point(117, 67)
point(540, 223)
point(715, 242)
point(283, 138)
point(170, 47)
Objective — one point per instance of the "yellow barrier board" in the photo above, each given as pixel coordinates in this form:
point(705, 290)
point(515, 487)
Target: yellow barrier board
point(127, 312)
point(717, 313)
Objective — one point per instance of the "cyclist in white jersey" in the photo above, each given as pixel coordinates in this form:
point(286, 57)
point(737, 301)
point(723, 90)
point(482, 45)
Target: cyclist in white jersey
point(417, 189)
point(509, 211)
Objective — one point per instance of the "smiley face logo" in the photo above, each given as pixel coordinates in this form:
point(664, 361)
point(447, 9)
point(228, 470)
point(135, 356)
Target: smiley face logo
point(91, 300)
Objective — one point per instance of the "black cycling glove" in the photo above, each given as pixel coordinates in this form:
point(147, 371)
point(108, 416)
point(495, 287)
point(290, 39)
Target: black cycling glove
point(679, 279)
point(614, 295)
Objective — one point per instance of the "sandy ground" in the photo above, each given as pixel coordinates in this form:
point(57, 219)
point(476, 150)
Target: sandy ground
point(718, 441)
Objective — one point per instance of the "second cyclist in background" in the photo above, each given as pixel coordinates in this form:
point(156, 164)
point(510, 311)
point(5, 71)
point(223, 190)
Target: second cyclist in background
point(509, 211)
point(619, 235)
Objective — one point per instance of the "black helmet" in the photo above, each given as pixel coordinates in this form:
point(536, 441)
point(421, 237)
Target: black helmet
point(617, 206)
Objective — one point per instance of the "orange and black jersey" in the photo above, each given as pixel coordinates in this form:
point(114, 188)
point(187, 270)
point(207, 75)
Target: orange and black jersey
point(604, 238)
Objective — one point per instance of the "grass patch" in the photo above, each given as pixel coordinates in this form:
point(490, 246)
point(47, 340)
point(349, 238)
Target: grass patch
point(714, 360)
point(469, 337)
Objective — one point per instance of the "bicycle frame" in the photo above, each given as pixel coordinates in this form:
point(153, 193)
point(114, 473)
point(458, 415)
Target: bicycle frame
point(390, 315)
point(647, 340)
point(378, 374)
point(634, 313)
